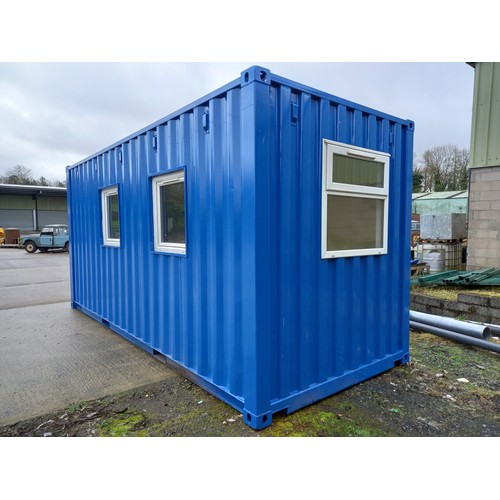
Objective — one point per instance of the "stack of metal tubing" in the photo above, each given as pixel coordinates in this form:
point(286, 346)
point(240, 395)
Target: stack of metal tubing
point(471, 333)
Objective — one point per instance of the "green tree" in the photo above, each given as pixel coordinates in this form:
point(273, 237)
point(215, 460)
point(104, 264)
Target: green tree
point(417, 180)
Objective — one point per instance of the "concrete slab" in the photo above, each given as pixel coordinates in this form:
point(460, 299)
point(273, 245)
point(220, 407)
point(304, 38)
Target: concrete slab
point(33, 279)
point(52, 355)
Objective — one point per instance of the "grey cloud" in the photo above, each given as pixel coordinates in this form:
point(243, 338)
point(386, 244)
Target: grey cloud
point(55, 114)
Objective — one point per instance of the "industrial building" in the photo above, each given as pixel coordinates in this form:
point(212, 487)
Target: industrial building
point(484, 187)
point(29, 208)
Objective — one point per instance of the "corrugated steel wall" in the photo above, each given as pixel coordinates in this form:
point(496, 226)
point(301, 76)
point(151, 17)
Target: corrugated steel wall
point(187, 308)
point(252, 311)
point(485, 147)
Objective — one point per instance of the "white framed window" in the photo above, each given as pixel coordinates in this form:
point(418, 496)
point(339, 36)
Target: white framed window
point(169, 213)
point(110, 216)
point(355, 201)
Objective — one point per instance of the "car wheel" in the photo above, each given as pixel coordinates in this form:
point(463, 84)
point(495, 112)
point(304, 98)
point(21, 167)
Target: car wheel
point(66, 247)
point(30, 247)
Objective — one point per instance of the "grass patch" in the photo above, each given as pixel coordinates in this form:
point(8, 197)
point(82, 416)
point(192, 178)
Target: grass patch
point(445, 293)
point(451, 292)
point(459, 360)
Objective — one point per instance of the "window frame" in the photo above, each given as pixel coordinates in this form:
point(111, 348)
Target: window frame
point(158, 181)
point(354, 191)
point(106, 193)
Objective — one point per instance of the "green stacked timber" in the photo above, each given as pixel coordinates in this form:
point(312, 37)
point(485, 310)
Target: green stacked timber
point(483, 277)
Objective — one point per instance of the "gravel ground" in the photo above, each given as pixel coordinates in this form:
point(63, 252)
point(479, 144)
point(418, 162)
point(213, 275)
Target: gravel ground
point(448, 389)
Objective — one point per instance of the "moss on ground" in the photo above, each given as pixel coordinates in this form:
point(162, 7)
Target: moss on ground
point(123, 425)
point(344, 420)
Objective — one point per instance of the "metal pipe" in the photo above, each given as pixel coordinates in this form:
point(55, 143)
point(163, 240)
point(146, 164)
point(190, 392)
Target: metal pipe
point(478, 331)
point(464, 339)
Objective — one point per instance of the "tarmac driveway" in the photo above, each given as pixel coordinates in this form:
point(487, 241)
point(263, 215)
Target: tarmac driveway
point(52, 355)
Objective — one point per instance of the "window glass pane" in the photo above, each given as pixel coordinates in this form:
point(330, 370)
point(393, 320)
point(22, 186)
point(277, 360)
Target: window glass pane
point(113, 219)
point(354, 223)
point(349, 170)
point(172, 213)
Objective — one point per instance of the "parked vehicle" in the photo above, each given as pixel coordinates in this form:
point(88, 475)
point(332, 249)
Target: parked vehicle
point(51, 236)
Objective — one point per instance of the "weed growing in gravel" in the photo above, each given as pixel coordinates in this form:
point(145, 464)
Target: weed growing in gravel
point(76, 407)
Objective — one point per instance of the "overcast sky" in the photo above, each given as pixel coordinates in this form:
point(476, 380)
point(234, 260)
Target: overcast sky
point(55, 114)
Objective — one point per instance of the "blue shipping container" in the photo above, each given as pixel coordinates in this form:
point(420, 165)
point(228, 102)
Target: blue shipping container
point(257, 240)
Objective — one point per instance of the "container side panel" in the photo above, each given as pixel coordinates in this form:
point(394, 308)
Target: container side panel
point(232, 189)
point(372, 311)
point(396, 232)
point(273, 255)
point(197, 231)
point(308, 248)
point(187, 307)
point(215, 250)
point(405, 141)
point(356, 337)
point(326, 352)
point(143, 302)
point(288, 348)
point(333, 316)
point(185, 349)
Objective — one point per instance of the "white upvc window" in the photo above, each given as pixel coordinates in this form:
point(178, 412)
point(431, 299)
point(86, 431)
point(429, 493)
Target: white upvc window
point(110, 216)
point(355, 201)
point(169, 213)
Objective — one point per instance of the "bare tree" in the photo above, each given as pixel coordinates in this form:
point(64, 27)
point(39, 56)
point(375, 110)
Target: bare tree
point(442, 168)
point(23, 175)
point(18, 175)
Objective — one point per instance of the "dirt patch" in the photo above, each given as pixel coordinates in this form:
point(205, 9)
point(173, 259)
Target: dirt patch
point(448, 389)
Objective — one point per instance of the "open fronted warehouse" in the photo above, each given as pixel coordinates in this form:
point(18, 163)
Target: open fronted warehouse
point(29, 208)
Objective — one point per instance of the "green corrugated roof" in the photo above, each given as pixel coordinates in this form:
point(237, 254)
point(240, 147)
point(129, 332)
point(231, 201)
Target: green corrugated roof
point(439, 195)
point(416, 196)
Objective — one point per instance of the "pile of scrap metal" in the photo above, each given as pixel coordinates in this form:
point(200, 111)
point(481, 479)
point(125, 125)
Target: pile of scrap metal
point(471, 333)
point(483, 277)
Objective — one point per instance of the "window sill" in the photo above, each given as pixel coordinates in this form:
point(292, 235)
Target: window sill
point(169, 253)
